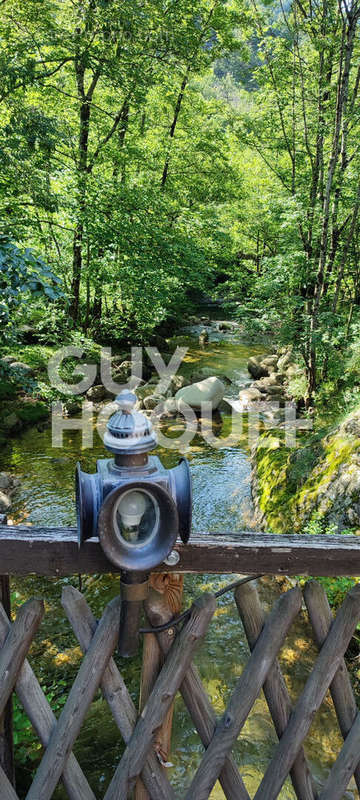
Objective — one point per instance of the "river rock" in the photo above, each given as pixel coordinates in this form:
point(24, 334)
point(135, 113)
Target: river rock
point(284, 360)
point(8, 483)
point(170, 407)
point(118, 359)
point(144, 391)
point(275, 389)
point(256, 369)
point(152, 400)
point(8, 359)
point(5, 502)
point(5, 481)
point(259, 385)
point(352, 426)
point(178, 382)
point(277, 377)
point(328, 492)
point(210, 390)
point(270, 361)
point(123, 371)
point(227, 325)
point(264, 383)
point(203, 337)
point(22, 367)
point(96, 393)
point(249, 396)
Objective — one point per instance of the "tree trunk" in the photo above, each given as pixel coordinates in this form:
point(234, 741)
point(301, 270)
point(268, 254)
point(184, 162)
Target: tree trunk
point(173, 126)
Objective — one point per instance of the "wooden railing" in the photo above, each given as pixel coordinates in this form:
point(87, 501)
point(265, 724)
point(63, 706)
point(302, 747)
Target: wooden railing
point(54, 552)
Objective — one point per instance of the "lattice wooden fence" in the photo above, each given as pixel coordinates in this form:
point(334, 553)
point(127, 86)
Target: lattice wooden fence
point(98, 669)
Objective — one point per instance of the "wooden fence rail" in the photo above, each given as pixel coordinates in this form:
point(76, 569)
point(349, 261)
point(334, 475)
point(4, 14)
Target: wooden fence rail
point(266, 635)
point(55, 552)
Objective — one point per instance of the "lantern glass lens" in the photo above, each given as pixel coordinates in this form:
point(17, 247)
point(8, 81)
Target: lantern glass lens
point(136, 517)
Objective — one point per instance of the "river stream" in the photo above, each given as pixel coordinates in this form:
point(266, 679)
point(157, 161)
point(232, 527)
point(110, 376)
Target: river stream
point(222, 502)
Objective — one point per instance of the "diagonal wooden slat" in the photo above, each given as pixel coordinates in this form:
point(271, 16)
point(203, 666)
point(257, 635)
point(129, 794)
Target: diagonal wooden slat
point(341, 772)
point(81, 694)
point(341, 691)
point(275, 691)
point(44, 721)
point(324, 670)
point(166, 686)
point(245, 693)
point(12, 654)
point(196, 700)
point(115, 692)
point(7, 791)
point(16, 645)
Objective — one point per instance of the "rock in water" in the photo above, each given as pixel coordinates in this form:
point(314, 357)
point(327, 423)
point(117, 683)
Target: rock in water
point(5, 503)
point(203, 337)
point(256, 369)
point(210, 390)
point(178, 382)
point(249, 396)
point(5, 481)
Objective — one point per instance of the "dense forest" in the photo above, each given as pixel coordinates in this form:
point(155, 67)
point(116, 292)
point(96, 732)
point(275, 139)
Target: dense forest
point(153, 152)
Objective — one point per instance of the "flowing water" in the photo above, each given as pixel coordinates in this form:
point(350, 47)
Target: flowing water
point(222, 502)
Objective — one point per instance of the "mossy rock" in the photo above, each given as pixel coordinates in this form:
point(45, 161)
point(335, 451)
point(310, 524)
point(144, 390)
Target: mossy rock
point(318, 480)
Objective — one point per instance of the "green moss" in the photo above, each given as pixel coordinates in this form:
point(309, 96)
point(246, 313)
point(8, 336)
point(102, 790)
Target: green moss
point(291, 481)
point(272, 459)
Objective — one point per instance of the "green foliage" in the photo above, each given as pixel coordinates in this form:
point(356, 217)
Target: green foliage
point(317, 527)
point(27, 746)
point(22, 274)
point(31, 413)
point(14, 380)
point(337, 589)
point(36, 355)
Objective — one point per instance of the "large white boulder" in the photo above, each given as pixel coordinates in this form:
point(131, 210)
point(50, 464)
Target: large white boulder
point(210, 390)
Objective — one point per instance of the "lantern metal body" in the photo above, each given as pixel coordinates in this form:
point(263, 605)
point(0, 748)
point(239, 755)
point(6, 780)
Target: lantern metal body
point(93, 489)
point(135, 506)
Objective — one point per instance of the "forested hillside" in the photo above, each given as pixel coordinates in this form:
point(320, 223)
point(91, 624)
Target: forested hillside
point(152, 152)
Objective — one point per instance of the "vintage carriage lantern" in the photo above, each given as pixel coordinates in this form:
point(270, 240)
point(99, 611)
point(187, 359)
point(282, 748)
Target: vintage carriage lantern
point(136, 507)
